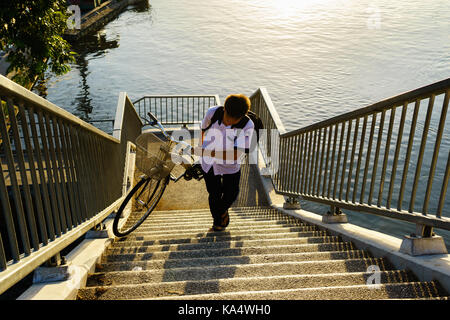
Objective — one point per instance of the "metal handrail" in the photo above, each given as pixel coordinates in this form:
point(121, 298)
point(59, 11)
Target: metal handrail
point(371, 159)
point(176, 109)
point(60, 176)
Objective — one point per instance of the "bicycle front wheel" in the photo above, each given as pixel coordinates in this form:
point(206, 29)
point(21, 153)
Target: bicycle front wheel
point(143, 198)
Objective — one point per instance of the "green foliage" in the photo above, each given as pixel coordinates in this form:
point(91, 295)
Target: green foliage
point(31, 33)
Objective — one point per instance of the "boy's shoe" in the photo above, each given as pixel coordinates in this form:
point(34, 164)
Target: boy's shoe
point(225, 219)
point(217, 228)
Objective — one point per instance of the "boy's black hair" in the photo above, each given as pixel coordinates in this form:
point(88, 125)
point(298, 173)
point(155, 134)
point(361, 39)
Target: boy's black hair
point(237, 105)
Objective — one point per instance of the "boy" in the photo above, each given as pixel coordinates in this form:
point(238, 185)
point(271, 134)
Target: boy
point(224, 143)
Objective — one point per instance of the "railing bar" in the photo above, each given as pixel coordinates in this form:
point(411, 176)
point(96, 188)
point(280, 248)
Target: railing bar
point(182, 110)
point(62, 173)
point(7, 216)
point(352, 157)
point(397, 152)
point(338, 164)
point(292, 162)
point(97, 183)
point(368, 155)
point(298, 158)
point(436, 152)
point(408, 155)
point(83, 173)
point(76, 219)
point(101, 156)
point(100, 148)
point(51, 185)
point(62, 211)
point(38, 197)
point(282, 166)
point(276, 160)
point(444, 188)
point(421, 153)
point(358, 165)
point(77, 186)
point(29, 208)
point(160, 108)
point(145, 110)
point(20, 215)
point(306, 162)
point(326, 161)
point(305, 153)
point(333, 155)
point(283, 160)
point(322, 152)
point(317, 161)
point(46, 200)
point(313, 155)
point(299, 163)
point(2, 256)
point(377, 155)
point(344, 164)
point(90, 172)
point(386, 156)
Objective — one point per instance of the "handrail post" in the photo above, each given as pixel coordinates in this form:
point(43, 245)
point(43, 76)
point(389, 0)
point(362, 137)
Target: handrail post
point(291, 203)
point(424, 241)
point(335, 215)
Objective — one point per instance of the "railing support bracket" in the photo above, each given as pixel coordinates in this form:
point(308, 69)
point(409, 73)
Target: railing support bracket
point(291, 203)
point(98, 232)
point(335, 215)
point(54, 269)
point(423, 242)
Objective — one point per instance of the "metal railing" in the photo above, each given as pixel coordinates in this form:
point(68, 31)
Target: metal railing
point(60, 177)
point(176, 109)
point(391, 158)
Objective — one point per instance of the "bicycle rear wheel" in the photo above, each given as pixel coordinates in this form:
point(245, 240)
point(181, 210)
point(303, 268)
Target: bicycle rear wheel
point(144, 197)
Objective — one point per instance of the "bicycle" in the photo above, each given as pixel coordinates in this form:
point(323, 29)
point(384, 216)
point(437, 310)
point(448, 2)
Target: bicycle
point(155, 158)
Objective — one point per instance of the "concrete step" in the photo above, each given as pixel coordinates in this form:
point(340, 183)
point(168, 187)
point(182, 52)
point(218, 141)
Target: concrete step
point(299, 242)
point(217, 273)
point(263, 254)
point(120, 286)
point(231, 229)
point(266, 214)
point(410, 290)
point(248, 253)
point(232, 232)
point(257, 263)
point(207, 222)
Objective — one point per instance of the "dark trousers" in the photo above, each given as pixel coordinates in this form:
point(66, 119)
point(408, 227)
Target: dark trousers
point(223, 191)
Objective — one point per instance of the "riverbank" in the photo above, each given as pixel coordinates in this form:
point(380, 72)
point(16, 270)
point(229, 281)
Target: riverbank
point(98, 17)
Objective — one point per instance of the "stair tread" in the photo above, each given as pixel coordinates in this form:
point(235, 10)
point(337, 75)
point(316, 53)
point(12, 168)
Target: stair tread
point(354, 292)
point(130, 287)
point(228, 264)
point(263, 254)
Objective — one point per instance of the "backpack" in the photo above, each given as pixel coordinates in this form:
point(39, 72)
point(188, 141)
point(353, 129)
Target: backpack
point(218, 116)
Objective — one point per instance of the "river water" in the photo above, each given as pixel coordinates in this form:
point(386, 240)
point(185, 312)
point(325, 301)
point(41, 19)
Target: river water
point(316, 58)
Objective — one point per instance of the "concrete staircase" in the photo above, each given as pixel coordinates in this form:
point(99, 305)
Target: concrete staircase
point(263, 254)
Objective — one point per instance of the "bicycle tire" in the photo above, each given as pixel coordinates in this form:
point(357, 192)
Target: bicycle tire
point(155, 195)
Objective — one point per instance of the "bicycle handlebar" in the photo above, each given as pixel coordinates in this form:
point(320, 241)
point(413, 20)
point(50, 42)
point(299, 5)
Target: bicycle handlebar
point(168, 136)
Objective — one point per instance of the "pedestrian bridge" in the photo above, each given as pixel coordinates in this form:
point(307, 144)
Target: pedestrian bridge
point(62, 180)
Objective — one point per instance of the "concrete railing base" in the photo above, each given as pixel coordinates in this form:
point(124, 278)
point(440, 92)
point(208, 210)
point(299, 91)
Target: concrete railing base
point(334, 218)
point(418, 246)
